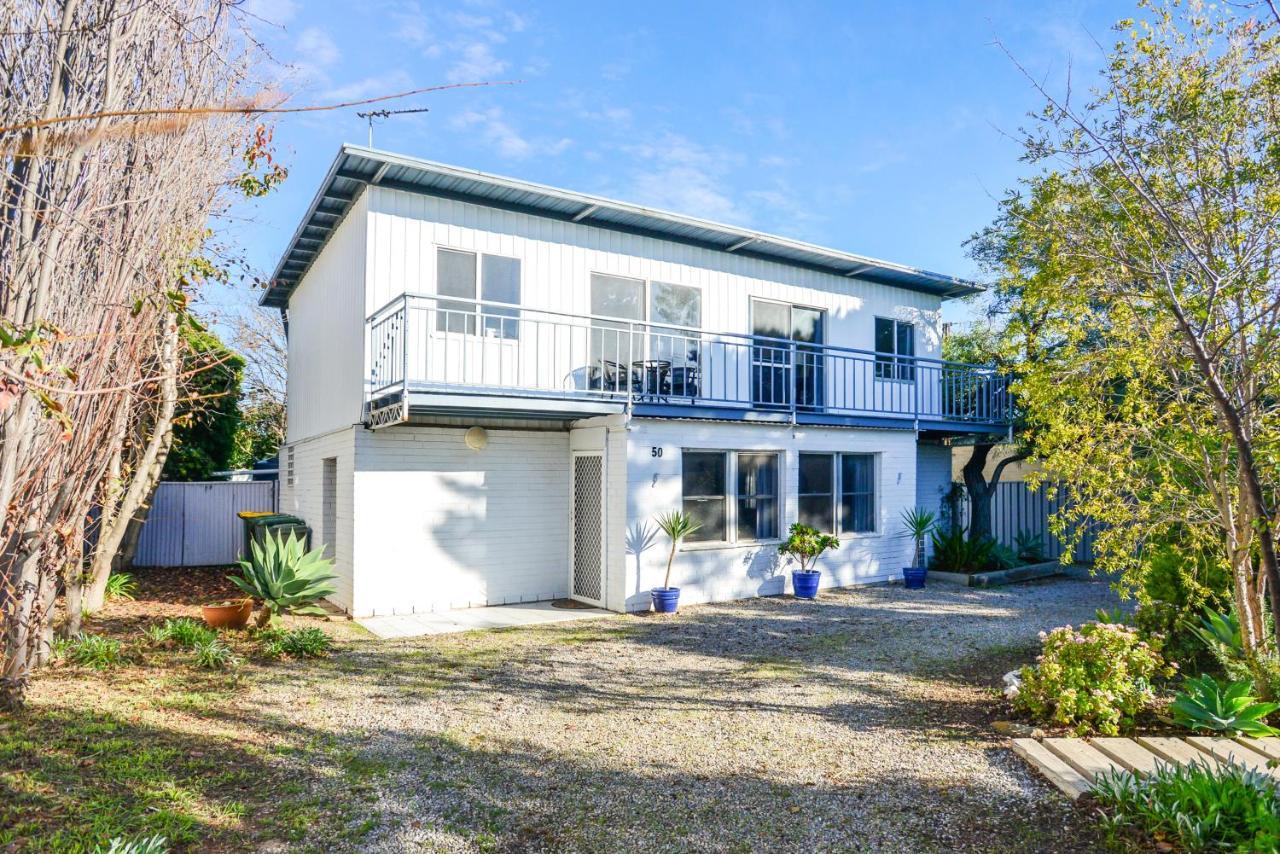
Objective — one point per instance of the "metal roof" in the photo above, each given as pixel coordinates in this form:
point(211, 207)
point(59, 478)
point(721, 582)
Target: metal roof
point(357, 166)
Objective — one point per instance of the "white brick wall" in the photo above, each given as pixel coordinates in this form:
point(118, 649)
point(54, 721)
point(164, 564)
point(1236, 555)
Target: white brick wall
point(305, 498)
point(708, 573)
point(442, 526)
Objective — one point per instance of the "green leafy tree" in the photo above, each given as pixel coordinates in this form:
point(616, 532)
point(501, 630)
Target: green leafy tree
point(1142, 258)
point(806, 545)
point(204, 432)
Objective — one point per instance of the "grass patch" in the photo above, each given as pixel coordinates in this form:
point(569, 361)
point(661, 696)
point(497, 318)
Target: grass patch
point(97, 652)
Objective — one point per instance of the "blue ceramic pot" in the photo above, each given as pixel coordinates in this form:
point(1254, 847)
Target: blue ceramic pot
point(665, 599)
point(805, 583)
point(913, 577)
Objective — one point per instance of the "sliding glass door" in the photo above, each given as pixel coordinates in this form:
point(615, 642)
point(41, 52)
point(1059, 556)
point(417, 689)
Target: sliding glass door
point(781, 373)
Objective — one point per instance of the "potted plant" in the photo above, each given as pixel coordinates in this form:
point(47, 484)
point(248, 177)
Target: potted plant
point(228, 615)
point(677, 525)
point(285, 577)
point(917, 524)
point(806, 545)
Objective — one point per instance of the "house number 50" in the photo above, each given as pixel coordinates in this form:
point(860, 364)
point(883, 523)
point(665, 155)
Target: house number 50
point(655, 451)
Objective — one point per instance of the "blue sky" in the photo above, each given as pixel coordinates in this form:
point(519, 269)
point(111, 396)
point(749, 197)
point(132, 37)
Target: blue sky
point(879, 128)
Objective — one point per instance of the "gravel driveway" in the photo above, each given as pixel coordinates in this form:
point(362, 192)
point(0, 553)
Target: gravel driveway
point(857, 722)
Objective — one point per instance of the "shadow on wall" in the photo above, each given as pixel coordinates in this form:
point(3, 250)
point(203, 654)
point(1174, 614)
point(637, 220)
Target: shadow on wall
point(714, 573)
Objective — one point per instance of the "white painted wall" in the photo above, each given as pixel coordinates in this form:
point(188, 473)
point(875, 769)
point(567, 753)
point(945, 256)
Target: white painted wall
point(442, 526)
point(707, 572)
point(303, 497)
point(325, 384)
point(558, 258)
point(933, 476)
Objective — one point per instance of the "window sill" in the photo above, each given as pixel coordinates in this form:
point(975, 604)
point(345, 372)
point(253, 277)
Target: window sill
point(721, 545)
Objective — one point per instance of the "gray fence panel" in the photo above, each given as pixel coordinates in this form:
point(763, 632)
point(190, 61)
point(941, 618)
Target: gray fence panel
point(1016, 507)
point(195, 524)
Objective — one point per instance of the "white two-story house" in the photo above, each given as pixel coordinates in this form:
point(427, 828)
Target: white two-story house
point(495, 386)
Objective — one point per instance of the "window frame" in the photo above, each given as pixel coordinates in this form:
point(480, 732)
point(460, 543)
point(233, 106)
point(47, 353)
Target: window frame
point(834, 499)
point(778, 496)
point(838, 492)
point(482, 323)
point(874, 459)
point(646, 298)
point(892, 366)
point(732, 496)
point(726, 497)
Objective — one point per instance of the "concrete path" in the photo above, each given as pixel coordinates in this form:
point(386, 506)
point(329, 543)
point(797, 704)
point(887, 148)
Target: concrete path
point(467, 619)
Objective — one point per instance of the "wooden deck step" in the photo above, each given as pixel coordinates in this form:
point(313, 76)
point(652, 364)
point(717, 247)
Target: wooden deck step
point(1062, 775)
point(1077, 753)
point(1128, 754)
point(1268, 747)
point(1175, 750)
point(1228, 750)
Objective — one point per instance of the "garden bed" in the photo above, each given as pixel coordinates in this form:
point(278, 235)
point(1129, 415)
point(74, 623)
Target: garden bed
point(995, 578)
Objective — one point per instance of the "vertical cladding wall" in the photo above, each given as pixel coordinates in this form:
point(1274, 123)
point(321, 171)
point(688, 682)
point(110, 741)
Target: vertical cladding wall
point(558, 259)
point(304, 497)
point(718, 572)
point(326, 333)
point(444, 526)
point(933, 476)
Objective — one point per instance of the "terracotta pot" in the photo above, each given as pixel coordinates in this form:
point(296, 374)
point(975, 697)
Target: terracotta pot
point(234, 615)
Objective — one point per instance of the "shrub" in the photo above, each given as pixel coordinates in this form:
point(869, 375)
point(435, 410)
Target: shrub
point(1174, 584)
point(214, 654)
point(297, 643)
point(953, 551)
point(284, 577)
point(182, 632)
point(1196, 807)
point(1029, 547)
point(1204, 704)
point(1092, 679)
point(94, 651)
point(807, 544)
point(121, 585)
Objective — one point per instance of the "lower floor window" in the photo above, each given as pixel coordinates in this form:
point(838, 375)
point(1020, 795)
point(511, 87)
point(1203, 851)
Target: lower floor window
point(838, 488)
point(754, 504)
point(705, 494)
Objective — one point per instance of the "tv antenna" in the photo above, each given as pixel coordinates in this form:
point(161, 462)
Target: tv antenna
point(386, 114)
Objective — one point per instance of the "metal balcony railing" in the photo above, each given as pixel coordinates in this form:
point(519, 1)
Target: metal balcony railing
point(441, 344)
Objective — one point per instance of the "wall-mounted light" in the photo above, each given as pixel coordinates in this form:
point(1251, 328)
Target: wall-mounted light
point(477, 438)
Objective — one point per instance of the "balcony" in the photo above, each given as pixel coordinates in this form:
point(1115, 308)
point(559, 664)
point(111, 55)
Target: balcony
point(440, 355)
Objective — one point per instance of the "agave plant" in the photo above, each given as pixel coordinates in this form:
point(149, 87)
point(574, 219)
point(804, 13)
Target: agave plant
point(1221, 634)
point(1204, 704)
point(677, 525)
point(285, 577)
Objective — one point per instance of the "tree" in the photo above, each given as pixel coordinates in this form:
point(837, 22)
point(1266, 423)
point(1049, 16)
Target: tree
point(259, 337)
point(982, 345)
point(1144, 254)
point(208, 420)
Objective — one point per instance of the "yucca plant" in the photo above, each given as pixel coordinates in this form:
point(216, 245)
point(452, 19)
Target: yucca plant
point(677, 525)
point(917, 524)
point(1204, 704)
point(285, 577)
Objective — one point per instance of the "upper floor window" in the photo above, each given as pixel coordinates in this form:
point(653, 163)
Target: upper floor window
point(649, 345)
point(895, 338)
point(490, 283)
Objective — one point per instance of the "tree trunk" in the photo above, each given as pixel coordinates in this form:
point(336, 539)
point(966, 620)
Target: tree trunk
point(145, 476)
point(981, 490)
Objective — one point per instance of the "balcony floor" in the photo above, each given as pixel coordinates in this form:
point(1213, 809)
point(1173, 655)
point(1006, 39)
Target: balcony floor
point(506, 403)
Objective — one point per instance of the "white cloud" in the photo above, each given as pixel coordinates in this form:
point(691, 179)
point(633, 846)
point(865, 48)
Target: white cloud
point(500, 135)
point(476, 61)
point(683, 176)
point(273, 12)
point(369, 87)
point(317, 47)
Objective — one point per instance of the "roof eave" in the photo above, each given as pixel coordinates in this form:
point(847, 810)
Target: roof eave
point(586, 208)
